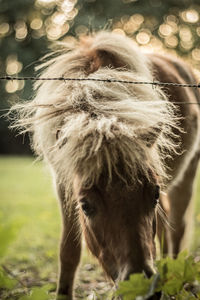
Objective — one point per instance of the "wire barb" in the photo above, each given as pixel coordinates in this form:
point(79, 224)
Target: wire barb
point(154, 83)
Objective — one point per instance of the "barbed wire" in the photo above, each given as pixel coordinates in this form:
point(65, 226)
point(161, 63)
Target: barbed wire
point(153, 83)
point(111, 80)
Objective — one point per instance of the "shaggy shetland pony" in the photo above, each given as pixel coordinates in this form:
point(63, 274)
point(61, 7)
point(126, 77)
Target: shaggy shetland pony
point(111, 147)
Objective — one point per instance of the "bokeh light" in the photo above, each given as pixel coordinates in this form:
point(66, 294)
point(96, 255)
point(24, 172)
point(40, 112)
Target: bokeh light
point(67, 5)
point(185, 33)
point(20, 30)
point(165, 30)
point(53, 32)
point(143, 38)
point(190, 16)
point(133, 23)
point(138, 19)
point(196, 54)
point(119, 31)
point(46, 2)
point(198, 31)
point(13, 66)
point(171, 41)
point(59, 18)
point(171, 18)
point(11, 86)
point(4, 28)
point(155, 44)
point(36, 23)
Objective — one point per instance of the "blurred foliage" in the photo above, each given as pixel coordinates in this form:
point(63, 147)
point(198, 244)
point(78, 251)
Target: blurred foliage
point(41, 293)
point(179, 278)
point(6, 282)
point(27, 28)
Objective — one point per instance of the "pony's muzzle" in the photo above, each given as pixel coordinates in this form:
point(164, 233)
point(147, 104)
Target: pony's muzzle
point(147, 270)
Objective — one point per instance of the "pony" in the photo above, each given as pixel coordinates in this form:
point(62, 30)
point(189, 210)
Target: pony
point(122, 155)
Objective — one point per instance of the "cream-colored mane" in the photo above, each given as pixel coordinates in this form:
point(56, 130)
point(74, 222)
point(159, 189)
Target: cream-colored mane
point(87, 127)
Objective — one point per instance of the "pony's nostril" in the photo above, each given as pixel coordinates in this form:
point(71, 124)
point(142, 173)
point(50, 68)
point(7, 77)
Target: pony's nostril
point(148, 271)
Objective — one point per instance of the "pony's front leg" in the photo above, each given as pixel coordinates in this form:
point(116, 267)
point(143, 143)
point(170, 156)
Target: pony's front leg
point(163, 232)
point(70, 250)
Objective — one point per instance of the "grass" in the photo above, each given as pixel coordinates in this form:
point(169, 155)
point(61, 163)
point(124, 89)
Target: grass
point(28, 204)
point(29, 208)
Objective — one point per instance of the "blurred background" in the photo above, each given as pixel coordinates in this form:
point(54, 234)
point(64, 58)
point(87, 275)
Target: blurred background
point(28, 28)
point(29, 215)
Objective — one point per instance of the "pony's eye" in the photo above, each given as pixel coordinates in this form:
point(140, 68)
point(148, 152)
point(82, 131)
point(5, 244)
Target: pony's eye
point(157, 194)
point(86, 207)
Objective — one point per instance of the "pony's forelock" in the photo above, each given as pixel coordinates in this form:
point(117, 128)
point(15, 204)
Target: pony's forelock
point(89, 127)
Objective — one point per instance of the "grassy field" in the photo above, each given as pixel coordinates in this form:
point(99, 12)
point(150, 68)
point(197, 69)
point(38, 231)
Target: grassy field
point(30, 230)
point(30, 221)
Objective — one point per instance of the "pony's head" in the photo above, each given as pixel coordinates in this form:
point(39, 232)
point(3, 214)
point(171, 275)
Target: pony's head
point(107, 143)
point(119, 224)
point(116, 189)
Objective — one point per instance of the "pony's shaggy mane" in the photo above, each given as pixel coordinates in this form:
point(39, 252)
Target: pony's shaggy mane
point(88, 127)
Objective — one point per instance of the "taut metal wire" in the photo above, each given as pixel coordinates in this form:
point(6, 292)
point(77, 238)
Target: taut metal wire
point(111, 80)
point(154, 83)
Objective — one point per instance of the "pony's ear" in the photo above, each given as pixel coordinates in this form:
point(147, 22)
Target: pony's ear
point(150, 135)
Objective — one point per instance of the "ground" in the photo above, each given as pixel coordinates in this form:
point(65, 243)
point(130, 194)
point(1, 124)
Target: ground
point(30, 227)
